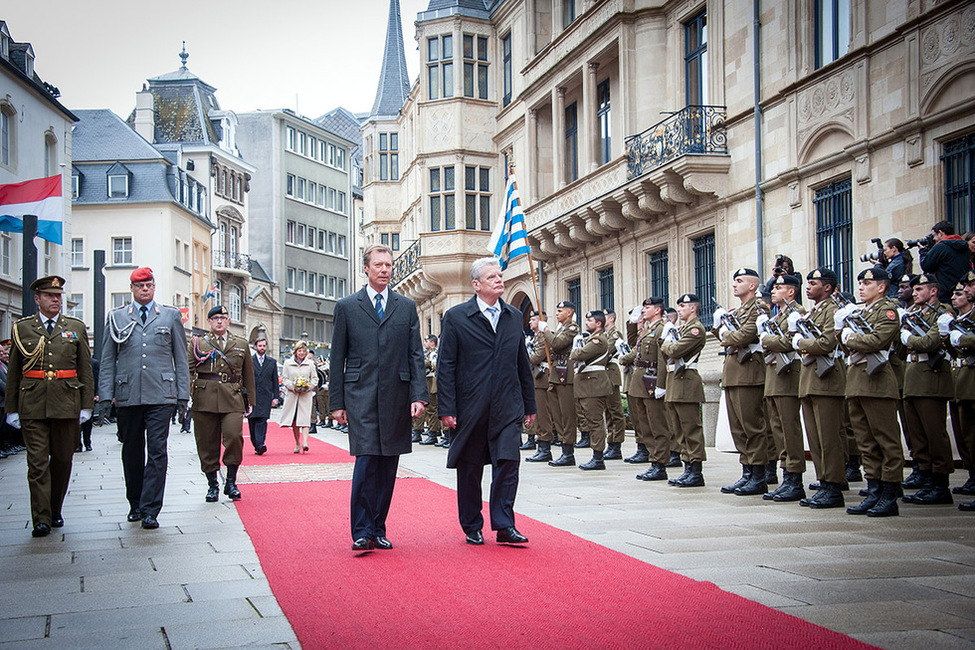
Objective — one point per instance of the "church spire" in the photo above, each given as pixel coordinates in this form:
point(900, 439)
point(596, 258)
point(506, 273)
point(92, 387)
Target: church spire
point(394, 79)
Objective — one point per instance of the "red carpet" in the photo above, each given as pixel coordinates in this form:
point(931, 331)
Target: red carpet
point(280, 444)
point(433, 590)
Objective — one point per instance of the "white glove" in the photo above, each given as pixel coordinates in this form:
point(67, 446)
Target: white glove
point(846, 335)
point(635, 314)
point(542, 326)
point(13, 419)
point(621, 346)
point(579, 341)
point(905, 335)
point(954, 337)
point(84, 415)
point(658, 393)
point(760, 321)
point(793, 321)
point(718, 313)
point(761, 337)
point(901, 313)
point(944, 324)
point(795, 342)
point(838, 318)
point(668, 328)
point(721, 332)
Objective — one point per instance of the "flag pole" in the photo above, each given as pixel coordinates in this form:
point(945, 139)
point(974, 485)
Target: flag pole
point(531, 266)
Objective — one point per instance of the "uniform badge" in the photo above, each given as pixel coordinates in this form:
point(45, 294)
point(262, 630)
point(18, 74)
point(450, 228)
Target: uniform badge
point(891, 314)
point(695, 331)
point(69, 335)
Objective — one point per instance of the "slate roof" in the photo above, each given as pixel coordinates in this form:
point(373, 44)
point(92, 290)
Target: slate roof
point(100, 134)
point(16, 65)
point(343, 123)
point(394, 79)
point(259, 274)
point(473, 8)
point(182, 103)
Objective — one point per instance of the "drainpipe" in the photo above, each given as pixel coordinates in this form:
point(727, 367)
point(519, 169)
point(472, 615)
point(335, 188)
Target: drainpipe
point(759, 198)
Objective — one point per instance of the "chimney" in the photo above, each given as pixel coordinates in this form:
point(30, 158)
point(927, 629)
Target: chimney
point(145, 119)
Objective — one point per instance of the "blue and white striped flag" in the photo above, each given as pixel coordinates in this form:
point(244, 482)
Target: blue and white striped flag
point(509, 239)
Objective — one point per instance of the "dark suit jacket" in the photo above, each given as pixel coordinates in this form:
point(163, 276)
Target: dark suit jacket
point(265, 386)
point(484, 378)
point(376, 372)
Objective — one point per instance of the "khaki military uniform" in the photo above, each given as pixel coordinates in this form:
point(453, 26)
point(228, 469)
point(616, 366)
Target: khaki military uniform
point(321, 394)
point(561, 403)
point(217, 388)
point(873, 398)
point(592, 387)
point(782, 372)
point(744, 385)
point(615, 417)
point(963, 405)
point(651, 422)
point(928, 385)
point(542, 426)
point(685, 389)
point(49, 382)
point(429, 417)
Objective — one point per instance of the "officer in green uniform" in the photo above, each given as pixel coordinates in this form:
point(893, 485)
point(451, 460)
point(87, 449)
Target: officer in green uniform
point(782, 369)
point(615, 417)
point(960, 342)
point(221, 383)
point(685, 391)
point(898, 361)
point(50, 394)
point(542, 426)
point(871, 391)
point(561, 403)
point(743, 380)
point(430, 418)
point(928, 385)
point(592, 386)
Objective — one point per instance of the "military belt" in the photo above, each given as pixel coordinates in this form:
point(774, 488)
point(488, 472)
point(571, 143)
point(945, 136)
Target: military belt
point(219, 376)
point(593, 368)
point(640, 363)
point(919, 357)
point(50, 374)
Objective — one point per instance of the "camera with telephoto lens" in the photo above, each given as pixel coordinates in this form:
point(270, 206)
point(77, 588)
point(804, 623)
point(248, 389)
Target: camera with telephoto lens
point(924, 242)
point(877, 256)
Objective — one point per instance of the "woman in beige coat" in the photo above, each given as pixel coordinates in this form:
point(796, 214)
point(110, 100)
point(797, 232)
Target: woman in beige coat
point(300, 379)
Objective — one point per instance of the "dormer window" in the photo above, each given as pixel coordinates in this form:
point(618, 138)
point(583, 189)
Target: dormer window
point(75, 184)
point(4, 41)
point(29, 62)
point(118, 186)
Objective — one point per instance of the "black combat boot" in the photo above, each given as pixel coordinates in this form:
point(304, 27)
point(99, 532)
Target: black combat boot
point(853, 474)
point(213, 491)
point(873, 495)
point(417, 435)
point(968, 487)
point(925, 486)
point(772, 473)
point(694, 478)
point(230, 485)
point(642, 455)
point(312, 428)
point(756, 483)
point(683, 476)
point(656, 472)
point(674, 459)
point(583, 440)
point(746, 475)
point(595, 463)
point(831, 497)
point(914, 479)
point(529, 444)
point(791, 488)
point(937, 492)
point(543, 453)
point(567, 459)
point(445, 439)
point(614, 451)
point(967, 507)
point(431, 439)
point(887, 504)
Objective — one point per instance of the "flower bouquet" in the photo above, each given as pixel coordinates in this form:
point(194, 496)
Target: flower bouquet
point(301, 385)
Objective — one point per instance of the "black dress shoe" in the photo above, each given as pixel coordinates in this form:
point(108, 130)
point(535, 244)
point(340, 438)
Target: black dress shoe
point(475, 538)
point(383, 543)
point(87, 447)
point(149, 522)
point(77, 449)
point(40, 530)
point(511, 535)
point(363, 544)
point(57, 522)
point(134, 516)
point(260, 451)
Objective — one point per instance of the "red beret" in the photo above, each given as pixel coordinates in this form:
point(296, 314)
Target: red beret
point(141, 274)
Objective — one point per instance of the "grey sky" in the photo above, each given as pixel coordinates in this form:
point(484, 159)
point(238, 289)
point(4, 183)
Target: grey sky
point(257, 54)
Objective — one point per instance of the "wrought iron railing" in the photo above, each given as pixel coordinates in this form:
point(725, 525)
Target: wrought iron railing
point(227, 260)
point(692, 130)
point(407, 262)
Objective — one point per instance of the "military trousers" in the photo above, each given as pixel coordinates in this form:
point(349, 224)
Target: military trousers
point(212, 429)
point(927, 430)
point(591, 412)
point(562, 408)
point(823, 416)
point(615, 418)
point(748, 426)
point(145, 458)
point(542, 426)
point(685, 417)
point(50, 447)
point(431, 416)
point(963, 426)
point(321, 403)
point(651, 423)
point(874, 421)
point(783, 414)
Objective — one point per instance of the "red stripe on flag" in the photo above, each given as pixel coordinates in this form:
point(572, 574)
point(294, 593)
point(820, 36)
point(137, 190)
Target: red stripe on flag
point(30, 191)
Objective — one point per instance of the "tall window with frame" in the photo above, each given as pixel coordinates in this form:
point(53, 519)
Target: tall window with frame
point(571, 143)
point(6, 129)
point(704, 281)
point(568, 12)
point(659, 268)
point(440, 66)
point(77, 253)
point(6, 243)
point(607, 293)
point(834, 229)
point(958, 159)
point(121, 250)
point(442, 215)
point(832, 25)
point(389, 156)
point(574, 290)
point(475, 66)
point(696, 60)
point(477, 201)
point(506, 69)
point(603, 118)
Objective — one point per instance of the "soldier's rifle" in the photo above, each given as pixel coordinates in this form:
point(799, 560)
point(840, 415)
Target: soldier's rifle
point(780, 359)
point(856, 322)
point(810, 330)
point(731, 322)
point(914, 323)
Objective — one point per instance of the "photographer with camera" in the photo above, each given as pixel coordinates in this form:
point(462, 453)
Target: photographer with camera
point(899, 262)
point(783, 266)
point(947, 257)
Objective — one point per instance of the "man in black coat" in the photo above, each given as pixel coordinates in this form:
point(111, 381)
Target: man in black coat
point(949, 259)
point(265, 395)
point(486, 394)
point(376, 384)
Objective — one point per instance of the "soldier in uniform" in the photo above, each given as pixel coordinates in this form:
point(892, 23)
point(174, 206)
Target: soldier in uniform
point(961, 343)
point(50, 392)
point(743, 379)
point(871, 391)
point(685, 391)
point(222, 381)
point(782, 387)
point(592, 386)
point(561, 403)
point(542, 426)
point(430, 417)
point(928, 386)
point(615, 417)
point(898, 361)
point(321, 392)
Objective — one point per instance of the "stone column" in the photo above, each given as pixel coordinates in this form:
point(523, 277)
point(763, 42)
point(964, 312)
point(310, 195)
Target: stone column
point(590, 125)
point(531, 161)
point(558, 137)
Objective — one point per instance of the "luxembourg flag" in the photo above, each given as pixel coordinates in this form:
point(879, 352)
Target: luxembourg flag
point(40, 197)
point(510, 239)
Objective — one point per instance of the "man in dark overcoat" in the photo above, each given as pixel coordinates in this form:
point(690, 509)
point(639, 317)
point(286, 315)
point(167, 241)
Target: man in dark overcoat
point(265, 395)
point(376, 384)
point(486, 395)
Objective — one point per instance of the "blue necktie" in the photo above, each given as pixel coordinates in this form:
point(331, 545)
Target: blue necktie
point(379, 305)
point(493, 317)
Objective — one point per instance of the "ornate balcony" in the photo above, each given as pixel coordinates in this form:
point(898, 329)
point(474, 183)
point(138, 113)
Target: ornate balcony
point(693, 130)
point(231, 263)
point(406, 263)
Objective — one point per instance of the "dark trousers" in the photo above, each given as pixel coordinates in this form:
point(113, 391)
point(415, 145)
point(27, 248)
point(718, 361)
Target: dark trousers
point(258, 431)
point(373, 478)
point(504, 486)
point(145, 434)
point(50, 447)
